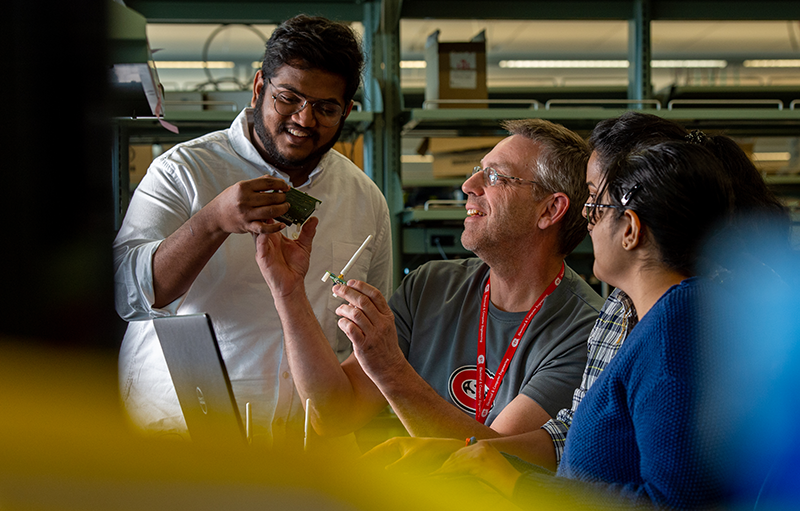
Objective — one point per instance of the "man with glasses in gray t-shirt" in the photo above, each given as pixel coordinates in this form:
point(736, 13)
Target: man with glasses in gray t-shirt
point(483, 347)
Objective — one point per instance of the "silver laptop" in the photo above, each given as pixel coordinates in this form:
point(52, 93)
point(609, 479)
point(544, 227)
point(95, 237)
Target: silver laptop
point(200, 378)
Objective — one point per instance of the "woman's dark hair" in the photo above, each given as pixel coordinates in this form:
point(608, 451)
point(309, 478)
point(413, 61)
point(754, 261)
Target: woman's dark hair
point(614, 137)
point(681, 193)
point(755, 205)
point(309, 42)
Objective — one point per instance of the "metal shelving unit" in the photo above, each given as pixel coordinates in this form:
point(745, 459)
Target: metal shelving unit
point(422, 226)
point(384, 121)
point(475, 122)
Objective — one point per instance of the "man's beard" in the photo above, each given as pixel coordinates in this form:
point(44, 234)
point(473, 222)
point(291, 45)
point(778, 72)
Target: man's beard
point(274, 153)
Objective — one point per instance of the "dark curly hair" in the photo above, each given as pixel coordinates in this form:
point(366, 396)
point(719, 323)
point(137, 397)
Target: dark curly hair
point(755, 205)
point(312, 42)
point(681, 192)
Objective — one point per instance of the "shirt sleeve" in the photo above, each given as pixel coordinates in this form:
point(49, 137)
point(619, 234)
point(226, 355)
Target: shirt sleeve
point(403, 317)
point(381, 271)
point(158, 207)
point(557, 429)
point(615, 321)
point(554, 382)
point(558, 374)
point(536, 487)
point(673, 460)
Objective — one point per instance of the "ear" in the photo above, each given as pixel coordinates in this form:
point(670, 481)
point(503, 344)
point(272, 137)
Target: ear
point(556, 207)
point(632, 233)
point(258, 86)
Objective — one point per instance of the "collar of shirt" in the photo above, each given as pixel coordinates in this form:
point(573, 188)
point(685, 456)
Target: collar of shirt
point(243, 145)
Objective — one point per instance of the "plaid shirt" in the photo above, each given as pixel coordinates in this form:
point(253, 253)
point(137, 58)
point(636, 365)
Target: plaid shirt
point(617, 318)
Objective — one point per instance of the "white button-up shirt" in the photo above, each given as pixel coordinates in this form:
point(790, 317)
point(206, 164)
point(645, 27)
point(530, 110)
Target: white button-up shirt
point(230, 288)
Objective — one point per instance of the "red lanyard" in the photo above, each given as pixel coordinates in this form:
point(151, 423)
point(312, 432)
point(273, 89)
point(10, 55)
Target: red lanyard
point(481, 409)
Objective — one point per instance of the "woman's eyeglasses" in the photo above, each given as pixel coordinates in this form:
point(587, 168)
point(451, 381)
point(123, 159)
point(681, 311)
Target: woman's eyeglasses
point(591, 208)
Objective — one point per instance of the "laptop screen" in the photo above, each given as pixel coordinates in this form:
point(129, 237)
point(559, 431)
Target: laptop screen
point(200, 378)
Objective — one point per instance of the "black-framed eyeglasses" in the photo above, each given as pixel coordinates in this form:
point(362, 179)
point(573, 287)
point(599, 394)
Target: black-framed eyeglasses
point(491, 176)
point(592, 207)
point(288, 103)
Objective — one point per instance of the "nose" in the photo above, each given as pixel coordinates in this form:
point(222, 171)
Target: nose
point(474, 184)
point(305, 117)
point(584, 212)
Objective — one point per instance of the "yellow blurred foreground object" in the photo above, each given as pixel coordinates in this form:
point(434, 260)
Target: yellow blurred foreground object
point(65, 445)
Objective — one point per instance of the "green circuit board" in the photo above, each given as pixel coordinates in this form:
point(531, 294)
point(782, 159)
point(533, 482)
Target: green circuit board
point(301, 206)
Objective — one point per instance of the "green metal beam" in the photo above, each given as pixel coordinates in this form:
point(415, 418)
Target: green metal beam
point(457, 122)
point(605, 10)
point(258, 11)
point(726, 10)
point(383, 97)
point(510, 9)
point(243, 11)
point(639, 54)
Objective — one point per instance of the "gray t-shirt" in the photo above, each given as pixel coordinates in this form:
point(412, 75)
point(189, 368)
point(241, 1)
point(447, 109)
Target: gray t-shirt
point(437, 312)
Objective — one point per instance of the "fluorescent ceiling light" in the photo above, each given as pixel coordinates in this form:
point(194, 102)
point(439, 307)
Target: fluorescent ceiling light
point(607, 64)
point(193, 64)
point(413, 64)
point(772, 63)
point(689, 63)
point(778, 156)
point(582, 64)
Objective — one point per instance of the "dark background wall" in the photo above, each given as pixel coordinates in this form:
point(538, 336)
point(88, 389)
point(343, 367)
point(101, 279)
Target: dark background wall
point(56, 202)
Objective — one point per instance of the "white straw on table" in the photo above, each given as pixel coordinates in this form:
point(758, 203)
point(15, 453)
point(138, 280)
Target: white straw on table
point(305, 426)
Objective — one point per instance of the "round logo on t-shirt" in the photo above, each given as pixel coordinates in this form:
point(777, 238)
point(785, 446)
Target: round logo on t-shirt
point(463, 384)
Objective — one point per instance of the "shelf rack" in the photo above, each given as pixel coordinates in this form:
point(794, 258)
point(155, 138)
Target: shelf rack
point(385, 121)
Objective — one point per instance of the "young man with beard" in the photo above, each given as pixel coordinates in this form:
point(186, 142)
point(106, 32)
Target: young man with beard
point(512, 321)
point(186, 244)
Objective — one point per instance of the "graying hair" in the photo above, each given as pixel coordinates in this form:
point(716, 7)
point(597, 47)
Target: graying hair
point(560, 167)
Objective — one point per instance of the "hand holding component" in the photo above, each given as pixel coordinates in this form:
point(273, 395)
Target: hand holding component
point(284, 262)
point(369, 324)
point(251, 206)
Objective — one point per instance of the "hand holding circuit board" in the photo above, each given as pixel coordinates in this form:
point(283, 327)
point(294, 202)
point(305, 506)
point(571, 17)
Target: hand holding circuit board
point(301, 207)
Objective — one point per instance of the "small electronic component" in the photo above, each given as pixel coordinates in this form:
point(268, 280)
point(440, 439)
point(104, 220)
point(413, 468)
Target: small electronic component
point(301, 206)
point(335, 278)
point(339, 279)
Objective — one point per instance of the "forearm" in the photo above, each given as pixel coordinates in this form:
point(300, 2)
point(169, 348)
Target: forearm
point(341, 401)
point(182, 256)
point(423, 412)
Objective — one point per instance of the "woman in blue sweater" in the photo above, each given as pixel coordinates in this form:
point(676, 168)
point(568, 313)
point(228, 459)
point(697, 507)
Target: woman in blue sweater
point(639, 437)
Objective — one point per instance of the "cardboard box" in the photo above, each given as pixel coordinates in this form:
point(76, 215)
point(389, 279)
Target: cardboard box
point(457, 164)
point(140, 156)
point(353, 150)
point(451, 145)
point(456, 157)
point(455, 71)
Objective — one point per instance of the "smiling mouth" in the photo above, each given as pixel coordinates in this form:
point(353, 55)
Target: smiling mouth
point(297, 133)
point(475, 212)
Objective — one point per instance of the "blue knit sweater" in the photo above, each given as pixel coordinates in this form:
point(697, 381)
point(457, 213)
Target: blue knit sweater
point(636, 437)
